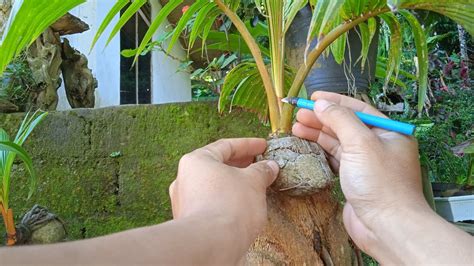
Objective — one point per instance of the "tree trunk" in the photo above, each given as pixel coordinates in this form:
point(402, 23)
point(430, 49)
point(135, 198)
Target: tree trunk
point(44, 59)
point(303, 230)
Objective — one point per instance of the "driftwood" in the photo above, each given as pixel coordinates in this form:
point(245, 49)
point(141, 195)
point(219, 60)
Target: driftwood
point(69, 24)
point(48, 57)
point(5, 8)
point(79, 82)
point(44, 59)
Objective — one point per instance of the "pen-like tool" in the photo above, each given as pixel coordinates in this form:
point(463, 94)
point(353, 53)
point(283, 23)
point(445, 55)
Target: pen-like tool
point(388, 124)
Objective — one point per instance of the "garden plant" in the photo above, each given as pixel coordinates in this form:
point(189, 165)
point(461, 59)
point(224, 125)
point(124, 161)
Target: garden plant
point(9, 150)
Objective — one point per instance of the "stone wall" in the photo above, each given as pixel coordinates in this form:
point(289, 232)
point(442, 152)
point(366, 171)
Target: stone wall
point(107, 170)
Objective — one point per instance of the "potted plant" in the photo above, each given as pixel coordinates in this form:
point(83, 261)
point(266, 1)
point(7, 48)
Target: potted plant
point(342, 72)
point(456, 204)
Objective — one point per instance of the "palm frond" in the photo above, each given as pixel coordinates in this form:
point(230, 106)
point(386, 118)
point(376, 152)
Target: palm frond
point(119, 5)
point(396, 42)
point(202, 16)
point(422, 53)
point(243, 87)
point(125, 17)
point(460, 11)
point(16, 150)
point(184, 20)
point(26, 25)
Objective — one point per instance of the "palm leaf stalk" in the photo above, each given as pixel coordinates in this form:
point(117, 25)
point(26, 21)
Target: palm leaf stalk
point(331, 21)
point(9, 150)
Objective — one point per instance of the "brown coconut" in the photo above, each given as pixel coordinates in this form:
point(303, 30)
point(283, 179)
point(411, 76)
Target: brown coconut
point(304, 169)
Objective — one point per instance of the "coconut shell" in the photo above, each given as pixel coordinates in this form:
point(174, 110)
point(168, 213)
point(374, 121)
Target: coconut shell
point(304, 169)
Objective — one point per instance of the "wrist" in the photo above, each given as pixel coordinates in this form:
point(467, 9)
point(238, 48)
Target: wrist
point(225, 232)
point(396, 232)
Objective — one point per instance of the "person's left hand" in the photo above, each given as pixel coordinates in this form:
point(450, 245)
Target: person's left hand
point(220, 181)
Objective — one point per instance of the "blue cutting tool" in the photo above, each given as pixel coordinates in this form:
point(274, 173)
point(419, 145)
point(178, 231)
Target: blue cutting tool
point(372, 120)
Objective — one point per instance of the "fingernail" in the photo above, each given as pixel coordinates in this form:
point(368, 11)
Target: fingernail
point(274, 166)
point(321, 105)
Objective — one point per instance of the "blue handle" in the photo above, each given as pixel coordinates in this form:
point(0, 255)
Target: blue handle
point(388, 124)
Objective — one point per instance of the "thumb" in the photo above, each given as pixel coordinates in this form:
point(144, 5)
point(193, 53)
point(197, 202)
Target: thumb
point(341, 120)
point(263, 172)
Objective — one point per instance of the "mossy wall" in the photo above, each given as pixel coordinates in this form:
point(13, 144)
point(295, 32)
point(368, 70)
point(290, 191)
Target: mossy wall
point(97, 194)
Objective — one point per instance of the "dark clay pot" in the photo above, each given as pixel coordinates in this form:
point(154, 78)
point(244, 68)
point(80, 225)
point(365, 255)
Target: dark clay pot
point(327, 74)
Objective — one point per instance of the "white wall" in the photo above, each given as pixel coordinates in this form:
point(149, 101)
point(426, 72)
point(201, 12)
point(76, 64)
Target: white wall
point(167, 85)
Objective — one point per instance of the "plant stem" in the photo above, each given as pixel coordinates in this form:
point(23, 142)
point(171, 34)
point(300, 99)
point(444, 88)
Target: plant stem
point(303, 71)
point(274, 111)
point(9, 225)
point(277, 46)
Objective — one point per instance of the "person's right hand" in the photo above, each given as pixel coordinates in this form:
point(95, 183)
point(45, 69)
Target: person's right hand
point(379, 170)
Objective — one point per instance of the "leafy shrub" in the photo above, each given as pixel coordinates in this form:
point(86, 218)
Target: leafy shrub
point(16, 82)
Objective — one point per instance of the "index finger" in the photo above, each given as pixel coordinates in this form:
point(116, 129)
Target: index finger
point(347, 101)
point(234, 150)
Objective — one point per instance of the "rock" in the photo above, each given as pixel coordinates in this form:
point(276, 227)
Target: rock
point(304, 169)
point(69, 24)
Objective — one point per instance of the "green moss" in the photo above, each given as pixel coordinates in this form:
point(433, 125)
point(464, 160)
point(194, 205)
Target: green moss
point(96, 194)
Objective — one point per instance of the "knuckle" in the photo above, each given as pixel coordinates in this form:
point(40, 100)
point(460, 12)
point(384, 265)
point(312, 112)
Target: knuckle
point(366, 140)
point(338, 111)
point(186, 159)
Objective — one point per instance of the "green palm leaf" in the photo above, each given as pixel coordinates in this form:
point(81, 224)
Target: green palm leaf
point(184, 20)
point(338, 47)
point(243, 87)
point(460, 11)
point(158, 20)
point(324, 11)
point(10, 149)
point(291, 8)
point(119, 5)
point(422, 53)
point(396, 42)
point(32, 19)
point(201, 17)
point(14, 150)
point(125, 17)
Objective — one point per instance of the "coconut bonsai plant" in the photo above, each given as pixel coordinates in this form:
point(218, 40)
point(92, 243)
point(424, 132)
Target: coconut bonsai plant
point(251, 82)
point(260, 84)
point(301, 229)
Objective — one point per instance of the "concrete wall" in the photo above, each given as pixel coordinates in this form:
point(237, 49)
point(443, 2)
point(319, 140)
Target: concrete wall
point(167, 85)
point(98, 194)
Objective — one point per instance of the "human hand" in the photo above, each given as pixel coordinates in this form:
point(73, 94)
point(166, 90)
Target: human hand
point(220, 181)
point(379, 170)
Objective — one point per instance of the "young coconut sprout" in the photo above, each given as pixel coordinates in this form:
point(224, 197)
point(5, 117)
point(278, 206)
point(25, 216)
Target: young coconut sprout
point(260, 84)
point(9, 149)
